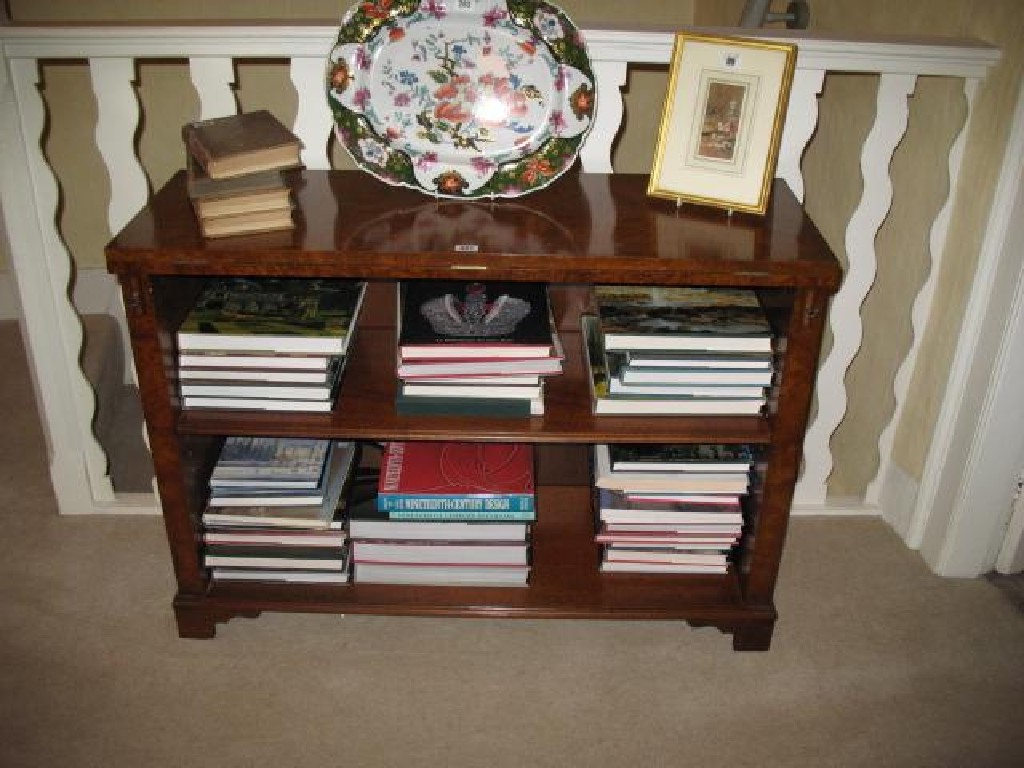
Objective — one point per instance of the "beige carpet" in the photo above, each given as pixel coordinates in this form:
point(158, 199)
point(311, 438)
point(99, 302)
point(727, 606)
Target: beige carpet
point(876, 662)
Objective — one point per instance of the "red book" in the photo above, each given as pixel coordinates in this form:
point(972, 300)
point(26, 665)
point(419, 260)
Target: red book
point(457, 481)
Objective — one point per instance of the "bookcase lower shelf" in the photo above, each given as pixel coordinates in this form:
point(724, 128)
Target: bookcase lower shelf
point(565, 583)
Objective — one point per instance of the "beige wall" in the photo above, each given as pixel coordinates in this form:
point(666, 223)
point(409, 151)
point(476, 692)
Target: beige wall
point(920, 181)
point(168, 99)
point(831, 165)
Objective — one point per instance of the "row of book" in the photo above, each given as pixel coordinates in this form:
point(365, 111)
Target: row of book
point(235, 166)
point(673, 508)
point(678, 350)
point(447, 513)
point(273, 344)
point(432, 513)
point(277, 510)
point(458, 513)
point(475, 348)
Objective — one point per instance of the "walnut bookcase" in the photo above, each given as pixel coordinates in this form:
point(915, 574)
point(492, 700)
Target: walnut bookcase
point(582, 230)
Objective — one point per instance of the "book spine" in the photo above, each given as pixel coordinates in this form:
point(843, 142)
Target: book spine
point(414, 507)
point(195, 150)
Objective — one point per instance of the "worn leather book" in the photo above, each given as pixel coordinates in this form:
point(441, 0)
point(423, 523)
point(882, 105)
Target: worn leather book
point(235, 145)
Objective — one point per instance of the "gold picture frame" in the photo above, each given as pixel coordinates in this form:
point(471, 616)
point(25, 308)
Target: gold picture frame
point(721, 123)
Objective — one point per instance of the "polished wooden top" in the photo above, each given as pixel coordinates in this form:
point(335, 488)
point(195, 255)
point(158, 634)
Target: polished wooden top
point(583, 228)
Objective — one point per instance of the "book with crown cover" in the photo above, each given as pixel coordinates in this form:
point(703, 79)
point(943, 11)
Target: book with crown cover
point(457, 481)
point(449, 319)
point(239, 144)
point(274, 315)
point(682, 318)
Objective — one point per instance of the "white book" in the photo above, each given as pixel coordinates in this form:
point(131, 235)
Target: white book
point(696, 482)
point(281, 576)
point(543, 365)
point(237, 375)
point(216, 359)
point(325, 496)
point(258, 404)
point(439, 552)
point(722, 377)
point(526, 379)
point(443, 575)
point(526, 392)
point(245, 391)
point(617, 387)
point(615, 567)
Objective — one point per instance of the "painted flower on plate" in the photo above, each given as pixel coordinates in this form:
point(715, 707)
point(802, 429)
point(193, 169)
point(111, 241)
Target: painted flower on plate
point(549, 25)
point(450, 183)
point(373, 151)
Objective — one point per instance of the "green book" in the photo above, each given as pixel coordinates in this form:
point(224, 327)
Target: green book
point(274, 315)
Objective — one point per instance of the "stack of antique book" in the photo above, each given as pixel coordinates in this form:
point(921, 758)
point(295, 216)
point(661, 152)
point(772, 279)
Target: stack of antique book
point(267, 343)
point(670, 508)
point(475, 348)
point(678, 350)
point(276, 510)
point(447, 513)
point(235, 179)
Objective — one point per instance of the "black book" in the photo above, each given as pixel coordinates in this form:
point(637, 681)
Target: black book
point(450, 319)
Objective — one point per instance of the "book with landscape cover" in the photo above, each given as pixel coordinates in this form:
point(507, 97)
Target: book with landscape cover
point(682, 318)
point(661, 457)
point(340, 464)
point(274, 315)
point(450, 319)
point(694, 482)
point(457, 481)
point(239, 144)
point(267, 461)
point(604, 401)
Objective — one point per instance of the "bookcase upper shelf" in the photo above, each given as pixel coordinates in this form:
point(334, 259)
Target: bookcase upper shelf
point(584, 228)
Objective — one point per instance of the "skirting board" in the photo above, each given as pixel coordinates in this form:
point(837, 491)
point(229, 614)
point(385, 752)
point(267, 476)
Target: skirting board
point(838, 507)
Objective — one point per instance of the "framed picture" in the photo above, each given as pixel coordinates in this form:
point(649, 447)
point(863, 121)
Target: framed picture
point(722, 121)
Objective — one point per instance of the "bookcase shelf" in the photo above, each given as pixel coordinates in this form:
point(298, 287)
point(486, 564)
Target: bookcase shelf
point(585, 229)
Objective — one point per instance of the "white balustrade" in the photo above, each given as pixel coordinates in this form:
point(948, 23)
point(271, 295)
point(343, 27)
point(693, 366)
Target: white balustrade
point(42, 265)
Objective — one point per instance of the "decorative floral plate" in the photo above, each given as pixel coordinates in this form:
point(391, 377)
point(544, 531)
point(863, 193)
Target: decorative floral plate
point(461, 98)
